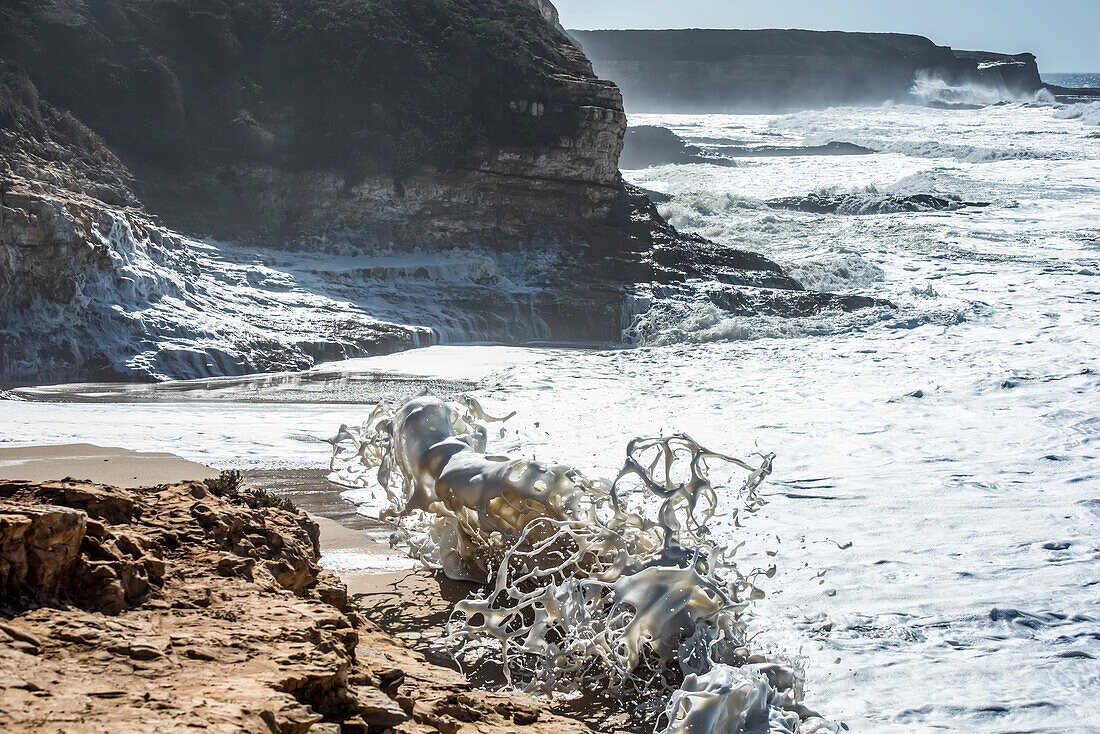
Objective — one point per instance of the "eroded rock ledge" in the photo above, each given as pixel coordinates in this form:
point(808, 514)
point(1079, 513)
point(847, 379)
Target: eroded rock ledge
point(173, 608)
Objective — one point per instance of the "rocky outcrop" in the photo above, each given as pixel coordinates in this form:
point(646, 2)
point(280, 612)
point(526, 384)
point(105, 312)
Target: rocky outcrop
point(197, 606)
point(870, 203)
point(408, 122)
point(648, 145)
point(375, 175)
point(782, 70)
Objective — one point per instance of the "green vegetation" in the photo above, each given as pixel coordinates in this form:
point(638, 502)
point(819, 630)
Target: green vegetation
point(23, 112)
point(229, 485)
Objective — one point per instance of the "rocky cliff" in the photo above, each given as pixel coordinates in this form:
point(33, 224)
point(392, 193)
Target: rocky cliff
point(231, 186)
point(199, 606)
point(781, 70)
point(273, 118)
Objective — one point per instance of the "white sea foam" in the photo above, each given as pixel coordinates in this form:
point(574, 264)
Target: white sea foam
point(1086, 112)
point(835, 271)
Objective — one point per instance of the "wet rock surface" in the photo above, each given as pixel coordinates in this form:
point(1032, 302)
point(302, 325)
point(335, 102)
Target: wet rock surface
point(172, 608)
point(871, 203)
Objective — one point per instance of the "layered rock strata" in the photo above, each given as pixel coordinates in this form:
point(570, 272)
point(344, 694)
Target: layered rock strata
point(178, 607)
point(410, 122)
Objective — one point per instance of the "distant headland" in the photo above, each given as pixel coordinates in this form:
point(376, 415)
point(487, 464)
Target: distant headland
point(781, 70)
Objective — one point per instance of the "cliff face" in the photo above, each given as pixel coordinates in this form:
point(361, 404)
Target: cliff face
point(359, 125)
point(781, 70)
point(193, 189)
point(278, 117)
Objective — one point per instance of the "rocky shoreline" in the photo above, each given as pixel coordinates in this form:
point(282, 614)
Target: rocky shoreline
point(202, 605)
point(773, 70)
point(313, 182)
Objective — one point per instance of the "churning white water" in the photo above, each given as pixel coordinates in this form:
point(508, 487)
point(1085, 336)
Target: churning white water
point(934, 510)
point(952, 441)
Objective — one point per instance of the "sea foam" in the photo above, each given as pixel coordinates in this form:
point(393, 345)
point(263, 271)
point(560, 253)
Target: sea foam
point(588, 592)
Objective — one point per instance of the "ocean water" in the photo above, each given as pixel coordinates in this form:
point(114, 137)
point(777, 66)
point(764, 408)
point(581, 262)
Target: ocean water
point(935, 506)
point(1073, 79)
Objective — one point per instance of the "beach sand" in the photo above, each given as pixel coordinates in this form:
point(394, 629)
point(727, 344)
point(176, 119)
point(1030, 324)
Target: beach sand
point(116, 467)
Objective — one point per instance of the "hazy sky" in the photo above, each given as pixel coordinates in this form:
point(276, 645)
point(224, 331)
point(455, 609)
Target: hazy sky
point(1064, 34)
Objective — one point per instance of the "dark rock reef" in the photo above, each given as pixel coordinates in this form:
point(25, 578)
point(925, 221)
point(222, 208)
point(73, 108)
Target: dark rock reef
point(856, 204)
point(649, 145)
point(782, 70)
point(186, 606)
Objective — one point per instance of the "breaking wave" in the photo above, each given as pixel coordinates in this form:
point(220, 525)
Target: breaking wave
point(1088, 113)
point(588, 590)
point(835, 272)
point(678, 322)
point(931, 90)
point(964, 153)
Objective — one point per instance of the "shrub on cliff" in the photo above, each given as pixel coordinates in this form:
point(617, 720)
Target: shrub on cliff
point(230, 485)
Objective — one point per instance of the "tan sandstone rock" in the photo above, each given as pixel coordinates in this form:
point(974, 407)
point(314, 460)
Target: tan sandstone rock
point(173, 609)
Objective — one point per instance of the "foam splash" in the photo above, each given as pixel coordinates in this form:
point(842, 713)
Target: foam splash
point(585, 592)
point(932, 90)
point(1087, 112)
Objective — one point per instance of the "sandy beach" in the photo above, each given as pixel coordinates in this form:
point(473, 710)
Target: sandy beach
point(113, 466)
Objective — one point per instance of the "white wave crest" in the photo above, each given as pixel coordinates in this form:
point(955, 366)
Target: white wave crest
point(694, 210)
point(678, 322)
point(835, 272)
point(931, 90)
point(1088, 113)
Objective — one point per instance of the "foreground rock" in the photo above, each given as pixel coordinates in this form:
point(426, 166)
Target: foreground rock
point(173, 608)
